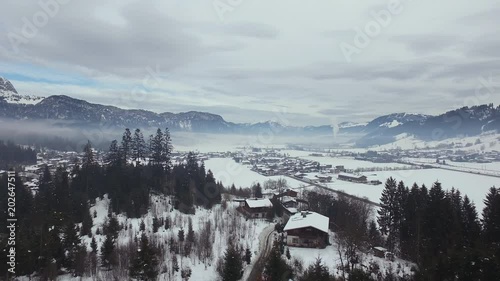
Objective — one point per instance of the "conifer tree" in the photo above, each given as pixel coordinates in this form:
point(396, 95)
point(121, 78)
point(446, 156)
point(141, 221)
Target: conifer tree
point(144, 265)
point(86, 224)
point(126, 147)
point(71, 244)
point(138, 146)
point(248, 255)
point(107, 252)
point(156, 224)
point(167, 150)
point(232, 265)
point(318, 272)
point(470, 223)
point(114, 154)
point(258, 191)
point(388, 212)
point(190, 235)
point(157, 148)
point(112, 228)
point(491, 217)
point(180, 235)
point(93, 245)
point(167, 223)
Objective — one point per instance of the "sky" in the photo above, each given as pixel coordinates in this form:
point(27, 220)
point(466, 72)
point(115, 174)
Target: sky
point(310, 63)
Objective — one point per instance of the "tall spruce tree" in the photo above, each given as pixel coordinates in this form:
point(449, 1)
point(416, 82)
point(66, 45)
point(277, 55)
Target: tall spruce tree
point(114, 154)
point(167, 150)
point(491, 217)
point(388, 212)
point(144, 264)
point(126, 147)
point(138, 146)
point(157, 148)
point(232, 265)
point(108, 252)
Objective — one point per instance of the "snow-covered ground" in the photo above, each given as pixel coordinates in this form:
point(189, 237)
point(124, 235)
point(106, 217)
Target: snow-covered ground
point(330, 257)
point(229, 172)
point(474, 186)
point(226, 225)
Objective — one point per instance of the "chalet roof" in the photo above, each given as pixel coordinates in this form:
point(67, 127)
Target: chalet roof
point(308, 219)
point(259, 203)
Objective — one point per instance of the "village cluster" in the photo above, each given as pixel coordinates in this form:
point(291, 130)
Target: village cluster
point(274, 163)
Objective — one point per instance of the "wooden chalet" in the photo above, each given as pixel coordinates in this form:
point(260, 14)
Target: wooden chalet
point(307, 229)
point(256, 208)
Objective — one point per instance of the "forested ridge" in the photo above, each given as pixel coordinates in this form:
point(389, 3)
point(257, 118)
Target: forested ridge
point(51, 221)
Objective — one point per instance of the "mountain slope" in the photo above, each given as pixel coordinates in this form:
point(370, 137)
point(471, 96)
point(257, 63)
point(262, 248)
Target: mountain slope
point(462, 122)
point(67, 111)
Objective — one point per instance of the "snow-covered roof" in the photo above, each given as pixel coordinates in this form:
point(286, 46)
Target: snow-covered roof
point(308, 219)
point(259, 203)
point(286, 199)
point(350, 175)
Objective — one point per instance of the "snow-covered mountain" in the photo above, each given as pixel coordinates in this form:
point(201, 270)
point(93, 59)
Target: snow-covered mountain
point(9, 94)
point(466, 121)
point(462, 122)
point(73, 112)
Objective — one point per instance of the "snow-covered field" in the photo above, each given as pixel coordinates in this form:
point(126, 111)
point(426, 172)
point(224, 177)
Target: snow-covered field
point(481, 168)
point(474, 186)
point(229, 172)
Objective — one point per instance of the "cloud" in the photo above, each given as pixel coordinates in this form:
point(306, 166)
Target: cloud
point(428, 44)
point(257, 60)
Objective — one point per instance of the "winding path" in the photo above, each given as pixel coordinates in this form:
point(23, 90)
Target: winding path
point(265, 246)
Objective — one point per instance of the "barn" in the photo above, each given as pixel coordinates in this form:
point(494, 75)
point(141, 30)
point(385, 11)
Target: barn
point(352, 178)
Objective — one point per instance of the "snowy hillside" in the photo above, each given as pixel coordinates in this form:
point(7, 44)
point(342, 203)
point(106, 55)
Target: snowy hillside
point(224, 225)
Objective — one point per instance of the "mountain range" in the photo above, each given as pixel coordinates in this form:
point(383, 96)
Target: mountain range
point(71, 112)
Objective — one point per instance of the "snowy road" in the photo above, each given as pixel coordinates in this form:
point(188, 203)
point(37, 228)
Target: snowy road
point(265, 246)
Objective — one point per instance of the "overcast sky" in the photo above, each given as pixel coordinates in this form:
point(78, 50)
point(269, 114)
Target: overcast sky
point(249, 59)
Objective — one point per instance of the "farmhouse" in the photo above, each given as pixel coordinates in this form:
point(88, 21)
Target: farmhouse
point(256, 208)
point(352, 178)
point(307, 229)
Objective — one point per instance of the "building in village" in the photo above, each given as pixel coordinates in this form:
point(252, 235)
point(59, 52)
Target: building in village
point(307, 229)
point(256, 208)
point(353, 178)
